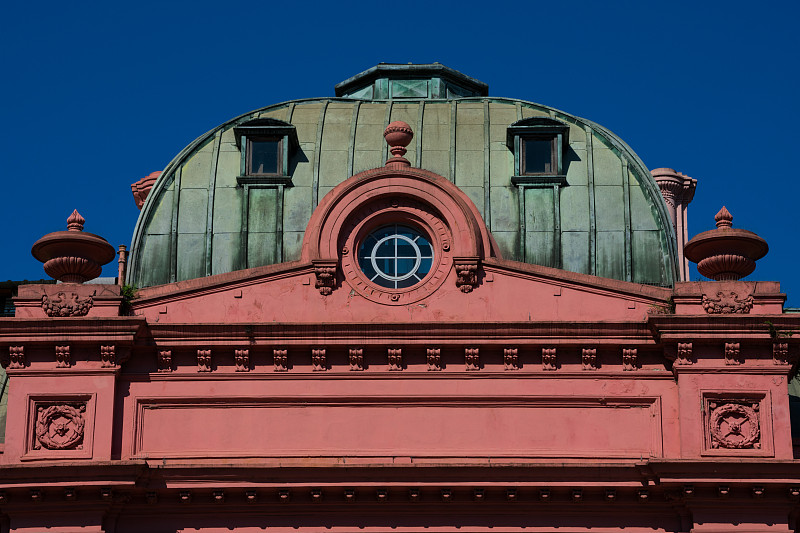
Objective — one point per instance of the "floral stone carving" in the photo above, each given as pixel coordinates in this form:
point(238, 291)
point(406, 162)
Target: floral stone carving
point(734, 425)
point(727, 302)
point(467, 271)
point(65, 305)
point(60, 427)
point(325, 272)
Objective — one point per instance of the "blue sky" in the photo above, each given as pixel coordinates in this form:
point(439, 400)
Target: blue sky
point(97, 95)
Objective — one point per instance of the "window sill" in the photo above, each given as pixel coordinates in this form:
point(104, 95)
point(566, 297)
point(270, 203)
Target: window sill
point(540, 180)
point(266, 179)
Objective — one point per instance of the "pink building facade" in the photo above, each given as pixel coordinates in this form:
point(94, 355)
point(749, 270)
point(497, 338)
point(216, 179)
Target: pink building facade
point(401, 374)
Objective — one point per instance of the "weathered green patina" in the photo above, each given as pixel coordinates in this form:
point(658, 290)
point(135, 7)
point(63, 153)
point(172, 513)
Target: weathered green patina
point(608, 219)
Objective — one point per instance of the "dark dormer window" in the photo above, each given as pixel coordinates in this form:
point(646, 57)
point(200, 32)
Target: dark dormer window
point(538, 155)
point(267, 146)
point(263, 156)
point(539, 144)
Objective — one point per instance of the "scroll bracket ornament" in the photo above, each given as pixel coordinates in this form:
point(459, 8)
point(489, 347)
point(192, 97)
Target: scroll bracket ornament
point(589, 358)
point(356, 359)
point(549, 361)
point(280, 357)
point(684, 355)
point(325, 272)
point(242, 359)
point(467, 272)
point(511, 358)
point(395, 359)
point(434, 359)
point(472, 358)
point(16, 357)
point(319, 360)
point(630, 359)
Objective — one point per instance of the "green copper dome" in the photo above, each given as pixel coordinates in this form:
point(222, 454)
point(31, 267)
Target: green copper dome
point(599, 213)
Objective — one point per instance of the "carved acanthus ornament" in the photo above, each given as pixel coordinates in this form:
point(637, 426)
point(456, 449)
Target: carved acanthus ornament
point(434, 358)
point(60, 427)
point(204, 360)
point(630, 359)
point(325, 272)
point(467, 272)
point(589, 358)
point(549, 359)
point(63, 359)
point(511, 358)
point(280, 357)
point(356, 359)
point(108, 357)
point(165, 361)
point(319, 360)
point(727, 302)
point(780, 353)
point(684, 354)
point(395, 356)
point(16, 357)
point(732, 353)
point(734, 424)
point(472, 358)
point(242, 360)
point(64, 305)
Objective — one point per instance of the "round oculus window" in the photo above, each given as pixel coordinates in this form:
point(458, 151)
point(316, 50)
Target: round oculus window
point(395, 256)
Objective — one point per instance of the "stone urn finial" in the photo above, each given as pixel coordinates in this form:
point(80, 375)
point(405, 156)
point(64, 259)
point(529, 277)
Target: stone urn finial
point(723, 218)
point(75, 221)
point(73, 256)
point(398, 135)
point(726, 253)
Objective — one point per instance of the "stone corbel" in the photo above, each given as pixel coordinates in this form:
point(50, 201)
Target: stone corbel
point(63, 359)
point(356, 359)
point(549, 359)
point(467, 271)
point(16, 357)
point(732, 353)
point(434, 359)
point(325, 272)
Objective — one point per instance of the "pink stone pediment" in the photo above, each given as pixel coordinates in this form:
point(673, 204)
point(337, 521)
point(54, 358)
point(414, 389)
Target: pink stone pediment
point(507, 291)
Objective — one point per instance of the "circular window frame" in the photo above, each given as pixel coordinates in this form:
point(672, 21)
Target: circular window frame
point(396, 232)
point(401, 211)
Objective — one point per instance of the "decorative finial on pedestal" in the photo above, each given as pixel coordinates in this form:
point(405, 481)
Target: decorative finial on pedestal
point(75, 221)
point(726, 253)
point(724, 219)
point(73, 256)
point(398, 135)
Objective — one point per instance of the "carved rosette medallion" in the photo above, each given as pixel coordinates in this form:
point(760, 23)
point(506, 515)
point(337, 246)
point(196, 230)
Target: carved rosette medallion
point(734, 424)
point(65, 305)
point(727, 302)
point(60, 427)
